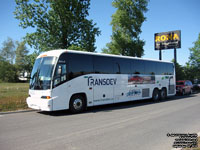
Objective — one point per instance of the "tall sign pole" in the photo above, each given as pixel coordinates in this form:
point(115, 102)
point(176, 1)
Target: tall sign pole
point(175, 59)
point(160, 54)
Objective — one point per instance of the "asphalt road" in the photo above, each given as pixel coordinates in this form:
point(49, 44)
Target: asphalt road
point(137, 125)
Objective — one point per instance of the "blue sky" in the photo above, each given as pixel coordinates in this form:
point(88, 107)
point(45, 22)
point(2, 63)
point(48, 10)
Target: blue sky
point(162, 16)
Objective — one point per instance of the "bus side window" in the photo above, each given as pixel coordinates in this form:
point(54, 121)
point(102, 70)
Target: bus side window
point(103, 65)
point(171, 69)
point(117, 67)
point(79, 65)
point(138, 67)
point(60, 74)
point(126, 66)
point(63, 72)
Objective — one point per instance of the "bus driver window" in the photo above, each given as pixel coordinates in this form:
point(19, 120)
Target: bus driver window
point(60, 74)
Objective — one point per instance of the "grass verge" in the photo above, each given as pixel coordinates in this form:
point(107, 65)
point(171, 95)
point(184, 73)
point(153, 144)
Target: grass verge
point(13, 96)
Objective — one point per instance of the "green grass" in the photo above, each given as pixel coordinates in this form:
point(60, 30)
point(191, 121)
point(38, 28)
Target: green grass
point(13, 96)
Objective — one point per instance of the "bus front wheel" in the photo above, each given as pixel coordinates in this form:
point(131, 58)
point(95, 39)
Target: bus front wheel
point(77, 104)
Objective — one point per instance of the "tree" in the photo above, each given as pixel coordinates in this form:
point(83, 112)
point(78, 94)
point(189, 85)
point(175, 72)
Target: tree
point(180, 71)
point(193, 66)
point(7, 52)
point(8, 72)
point(194, 58)
point(58, 24)
point(190, 72)
point(2, 59)
point(30, 59)
point(126, 27)
point(12, 61)
point(76, 47)
point(180, 74)
point(21, 53)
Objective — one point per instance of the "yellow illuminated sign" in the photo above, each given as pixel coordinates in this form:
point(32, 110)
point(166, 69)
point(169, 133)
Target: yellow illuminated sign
point(163, 38)
point(167, 40)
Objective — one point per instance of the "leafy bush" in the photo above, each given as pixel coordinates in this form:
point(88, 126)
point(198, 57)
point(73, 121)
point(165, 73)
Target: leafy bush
point(8, 72)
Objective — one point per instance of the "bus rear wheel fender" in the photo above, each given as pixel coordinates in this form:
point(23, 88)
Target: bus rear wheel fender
point(78, 103)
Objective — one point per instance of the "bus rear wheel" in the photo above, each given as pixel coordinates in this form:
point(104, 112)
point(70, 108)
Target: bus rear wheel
point(77, 104)
point(163, 94)
point(183, 92)
point(155, 95)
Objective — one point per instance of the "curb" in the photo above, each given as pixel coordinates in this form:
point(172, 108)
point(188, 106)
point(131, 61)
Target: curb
point(17, 111)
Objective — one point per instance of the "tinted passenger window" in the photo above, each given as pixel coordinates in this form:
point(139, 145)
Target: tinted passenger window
point(167, 68)
point(153, 68)
point(159, 69)
point(103, 64)
point(150, 67)
point(122, 66)
point(137, 67)
point(170, 69)
point(79, 64)
point(163, 68)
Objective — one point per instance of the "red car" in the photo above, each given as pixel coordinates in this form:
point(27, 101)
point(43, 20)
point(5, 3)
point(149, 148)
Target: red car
point(184, 87)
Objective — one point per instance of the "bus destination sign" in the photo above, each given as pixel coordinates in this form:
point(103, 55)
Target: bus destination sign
point(167, 40)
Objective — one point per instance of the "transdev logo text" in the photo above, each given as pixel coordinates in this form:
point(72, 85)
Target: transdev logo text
point(101, 81)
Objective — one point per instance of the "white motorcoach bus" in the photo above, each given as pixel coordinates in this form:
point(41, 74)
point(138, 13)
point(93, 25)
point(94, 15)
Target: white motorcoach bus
point(66, 79)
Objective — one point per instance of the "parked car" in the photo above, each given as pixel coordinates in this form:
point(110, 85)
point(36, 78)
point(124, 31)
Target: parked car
point(184, 87)
point(196, 85)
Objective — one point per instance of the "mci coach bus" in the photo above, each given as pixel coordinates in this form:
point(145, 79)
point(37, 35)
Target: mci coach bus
point(74, 80)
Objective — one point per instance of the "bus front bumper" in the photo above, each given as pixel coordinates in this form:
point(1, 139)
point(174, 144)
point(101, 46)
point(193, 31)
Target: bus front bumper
point(40, 104)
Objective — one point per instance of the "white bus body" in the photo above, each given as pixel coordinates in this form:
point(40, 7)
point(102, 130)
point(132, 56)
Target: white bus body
point(66, 79)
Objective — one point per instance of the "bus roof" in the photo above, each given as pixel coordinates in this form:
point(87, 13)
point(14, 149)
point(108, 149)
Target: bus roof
point(58, 52)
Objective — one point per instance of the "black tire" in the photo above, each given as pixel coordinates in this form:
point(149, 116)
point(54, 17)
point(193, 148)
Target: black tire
point(163, 94)
point(77, 104)
point(156, 95)
point(191, 91)
point(183, 92)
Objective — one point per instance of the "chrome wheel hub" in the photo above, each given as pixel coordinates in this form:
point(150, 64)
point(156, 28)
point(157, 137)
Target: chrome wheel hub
point(156, 97)
point(78, 104)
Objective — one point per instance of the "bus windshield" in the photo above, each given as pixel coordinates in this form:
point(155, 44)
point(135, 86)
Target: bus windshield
point(41, 75)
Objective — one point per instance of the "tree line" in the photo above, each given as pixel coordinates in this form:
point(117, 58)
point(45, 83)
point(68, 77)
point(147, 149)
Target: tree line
point(191, 70)
point(14, 60)
point(64, 24)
